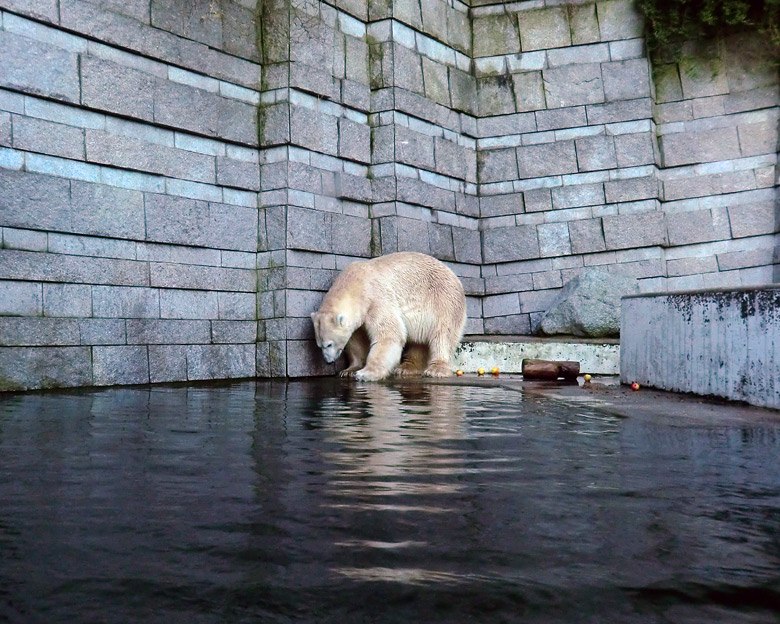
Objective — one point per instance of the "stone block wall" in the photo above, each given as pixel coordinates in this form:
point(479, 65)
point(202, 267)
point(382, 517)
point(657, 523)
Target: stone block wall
point(567, 152)
point(717, 114)
point(129, 179)
point(180, 180)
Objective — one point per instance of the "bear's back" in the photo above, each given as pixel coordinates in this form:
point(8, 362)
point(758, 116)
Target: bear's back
point(411, 270)
point(423, 288)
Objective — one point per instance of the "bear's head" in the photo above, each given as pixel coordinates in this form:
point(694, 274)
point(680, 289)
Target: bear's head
point(332, 332)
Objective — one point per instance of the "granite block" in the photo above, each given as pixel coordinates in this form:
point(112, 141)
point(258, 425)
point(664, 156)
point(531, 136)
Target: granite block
point(20, 299)
point(528, 91)
point(354, 141)
point(508, 283)
point(435, 81)
point(237, 306)
point(510, 243)
point(463, 91)
point(619, 19)
point(452, 159)
point(413, 235)
point(167, 363)
point(758, 138)
point(626, 80)
point(631, 189)
point(546, 159)
point(199, 22)
point(304, 359)
point(544, 29)
point(274, 123)
point(553, 240)
point(467, 245)
point(684, 148)
point(102, 210)
point(119, 365)
point(25, 368)
point(414, 148)
point(238, 173)
point(573, 85)
point(595, 153)
point(587, 236)
point(220, 361)
point(48, 267)
point(584, 24)
point(102, 331)
point(440, 241)
point(495, 34)
point(351, 235)
point(125, 302)
point(314, 130)
point(617, 112)
point(5, 129)
point(635, 230)
point(36, 67)
point(495, 95)
point(309, 230)
point(170, 275)
point(165, 331)
point(118, 89)
point(190, 222)
point(25, 240)
point(35, 201)
point(509, 325)
point(753, 219)
point(576, 195)
point(37, 135)
point(189, 108)
point(499, 205)
point(234, 332)
point(187, 304)
point(635, 149)
point(500, 305)
point(501, 164)
point(407, 69)
point(537, 200)
point(67, 300)
point(561, 118)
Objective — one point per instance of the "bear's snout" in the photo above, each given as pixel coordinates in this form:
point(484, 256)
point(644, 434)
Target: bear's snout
point(331, 354)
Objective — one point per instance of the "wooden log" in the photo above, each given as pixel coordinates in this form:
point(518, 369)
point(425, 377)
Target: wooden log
point(549, 369)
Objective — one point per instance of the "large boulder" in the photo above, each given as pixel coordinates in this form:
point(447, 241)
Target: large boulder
point(589, 305)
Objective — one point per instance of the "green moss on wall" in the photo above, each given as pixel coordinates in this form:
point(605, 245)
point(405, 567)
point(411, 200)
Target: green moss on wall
point(671, 22)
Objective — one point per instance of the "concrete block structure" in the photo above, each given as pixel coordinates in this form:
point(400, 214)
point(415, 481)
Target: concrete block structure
point(717, 343)
point(180, 180)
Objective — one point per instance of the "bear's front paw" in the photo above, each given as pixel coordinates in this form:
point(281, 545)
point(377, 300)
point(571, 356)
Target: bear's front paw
point(347, 372)
point(438, 369)
point(408, 369)
point(369, 375)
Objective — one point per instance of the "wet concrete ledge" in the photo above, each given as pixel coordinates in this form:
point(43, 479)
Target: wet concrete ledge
point(596, 356)
point(712, 343)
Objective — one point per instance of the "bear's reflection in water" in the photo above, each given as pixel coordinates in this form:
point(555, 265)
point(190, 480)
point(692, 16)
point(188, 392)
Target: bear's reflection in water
point(384, 433)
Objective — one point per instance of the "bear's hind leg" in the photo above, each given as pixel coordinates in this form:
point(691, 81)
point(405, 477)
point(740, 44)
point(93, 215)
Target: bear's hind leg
point(442, 348)
point(414, 361)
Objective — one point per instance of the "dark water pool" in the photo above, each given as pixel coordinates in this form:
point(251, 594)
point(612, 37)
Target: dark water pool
point(323, 501)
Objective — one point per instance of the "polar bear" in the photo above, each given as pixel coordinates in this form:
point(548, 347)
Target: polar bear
point(377, 310)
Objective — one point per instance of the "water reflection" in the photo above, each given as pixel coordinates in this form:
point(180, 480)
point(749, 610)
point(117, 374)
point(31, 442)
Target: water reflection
point(326, 501)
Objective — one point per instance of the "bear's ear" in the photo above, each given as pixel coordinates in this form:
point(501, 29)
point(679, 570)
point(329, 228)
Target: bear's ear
point(340, 320)
point(314, 317)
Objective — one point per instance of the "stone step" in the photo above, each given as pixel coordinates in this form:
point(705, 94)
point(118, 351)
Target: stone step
point(597, 356)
